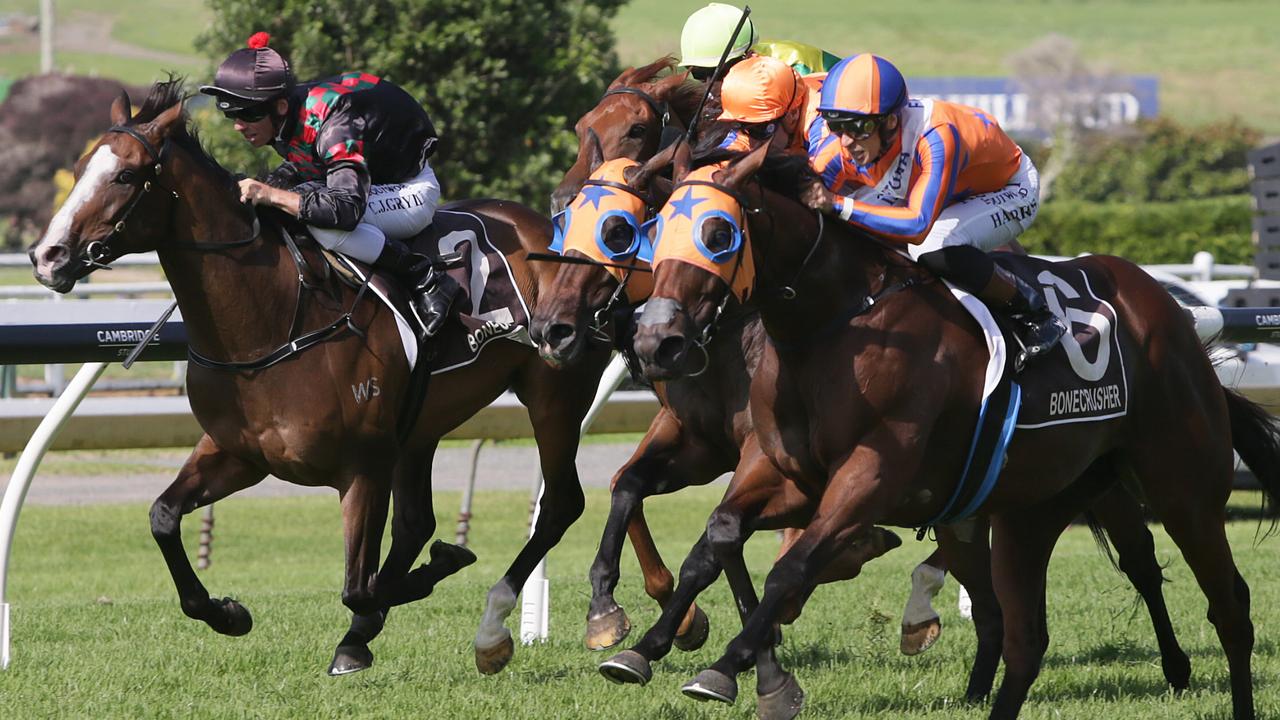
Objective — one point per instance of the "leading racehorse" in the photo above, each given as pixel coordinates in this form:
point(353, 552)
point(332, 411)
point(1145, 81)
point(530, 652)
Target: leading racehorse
point(286, 349)
point(705, 427)
point(870, 371)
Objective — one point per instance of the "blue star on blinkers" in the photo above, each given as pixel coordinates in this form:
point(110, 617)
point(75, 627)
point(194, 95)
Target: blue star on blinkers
point(593, 194)
point(684, 206)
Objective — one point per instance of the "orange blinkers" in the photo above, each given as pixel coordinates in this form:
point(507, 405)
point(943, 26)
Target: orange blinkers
point(578, 227)
point(678, 234)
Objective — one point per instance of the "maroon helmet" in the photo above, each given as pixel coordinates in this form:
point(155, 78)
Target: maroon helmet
point(250, 76)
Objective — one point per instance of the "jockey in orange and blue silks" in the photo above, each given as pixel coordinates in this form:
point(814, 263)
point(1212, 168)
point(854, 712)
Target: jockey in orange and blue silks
point(941, 178)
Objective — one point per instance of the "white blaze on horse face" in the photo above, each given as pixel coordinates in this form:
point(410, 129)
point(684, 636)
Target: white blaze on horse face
point(102, 167)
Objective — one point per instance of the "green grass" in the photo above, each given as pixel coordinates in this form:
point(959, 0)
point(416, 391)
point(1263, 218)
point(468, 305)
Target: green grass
point(98, 631)
point(1214, 58)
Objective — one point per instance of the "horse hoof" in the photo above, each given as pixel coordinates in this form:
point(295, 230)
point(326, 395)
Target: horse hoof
point(627, 666)
point(607, 630)
point(1177, 671)
point(349, 659)
point(783, 703)
point(920, 637)
point(491, 660)
point(712, 685)
point(230, 618)
point(696, 632)
point(455, 557)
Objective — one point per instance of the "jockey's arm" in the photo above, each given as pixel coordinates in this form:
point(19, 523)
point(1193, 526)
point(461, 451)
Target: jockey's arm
point(938, 158)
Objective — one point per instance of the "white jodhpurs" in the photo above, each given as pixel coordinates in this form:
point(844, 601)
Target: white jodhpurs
point(989, 220)
point(397, 211)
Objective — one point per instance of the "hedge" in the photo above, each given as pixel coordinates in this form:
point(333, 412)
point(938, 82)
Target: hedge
point(1146, 232)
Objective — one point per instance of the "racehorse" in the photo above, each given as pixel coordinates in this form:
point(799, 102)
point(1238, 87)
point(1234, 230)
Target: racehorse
point(148, 184)
point(704, 422)
point(699, 434)
point(868, 365)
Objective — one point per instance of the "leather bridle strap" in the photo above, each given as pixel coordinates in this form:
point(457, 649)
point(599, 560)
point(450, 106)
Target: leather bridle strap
point(661, 110)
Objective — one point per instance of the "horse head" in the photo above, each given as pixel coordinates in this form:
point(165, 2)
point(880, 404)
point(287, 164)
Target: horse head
point(98, 222)
point(601, 234)
point(702, 260)
point(629, 121)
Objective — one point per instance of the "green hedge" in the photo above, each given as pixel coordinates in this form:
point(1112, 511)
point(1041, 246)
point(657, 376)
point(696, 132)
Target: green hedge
point(1148, 232)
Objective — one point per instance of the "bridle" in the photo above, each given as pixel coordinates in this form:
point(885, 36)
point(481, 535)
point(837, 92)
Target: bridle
point(661, 109)
point(98, 251)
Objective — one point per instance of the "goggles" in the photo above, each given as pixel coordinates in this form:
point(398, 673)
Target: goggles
point(859, 127)
point(759, 131)
point(251, 114)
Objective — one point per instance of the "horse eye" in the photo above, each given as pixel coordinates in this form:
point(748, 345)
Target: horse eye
point(125, 177)
point(619, 237)
point(721, 239)
point(637, 131)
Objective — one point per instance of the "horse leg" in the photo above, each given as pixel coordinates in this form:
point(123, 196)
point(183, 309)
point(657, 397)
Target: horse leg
point(556, 408)
point(859, 491)
point(1188, 485)
point(1020, 549)
point(1120, 514)
point(667, 460)
point(1021, 543)
point(413, 522)
point(208, 475)
point(970, 561)
point(921, 624)
point(699, 569)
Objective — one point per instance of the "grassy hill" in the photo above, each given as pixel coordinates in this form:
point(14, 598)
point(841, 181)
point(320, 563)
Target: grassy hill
point(1213, 58)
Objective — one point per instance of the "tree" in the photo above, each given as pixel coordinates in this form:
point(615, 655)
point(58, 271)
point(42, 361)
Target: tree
point(503, 80)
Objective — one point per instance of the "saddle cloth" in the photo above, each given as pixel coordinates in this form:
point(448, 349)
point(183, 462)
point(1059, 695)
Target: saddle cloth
point(489, 306)
point(1083, 379)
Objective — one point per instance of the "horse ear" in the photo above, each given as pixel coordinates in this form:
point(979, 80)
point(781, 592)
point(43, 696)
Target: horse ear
point(595, 152)
point(645, 173)
point(743, 168)
point(121, 110)
point(166, 120)
point(683, 160)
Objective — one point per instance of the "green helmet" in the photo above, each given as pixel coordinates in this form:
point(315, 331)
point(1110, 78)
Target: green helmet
point(706, 32)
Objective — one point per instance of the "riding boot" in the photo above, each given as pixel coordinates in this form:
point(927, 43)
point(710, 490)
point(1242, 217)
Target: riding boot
point(1040, 329)
point(429, 285)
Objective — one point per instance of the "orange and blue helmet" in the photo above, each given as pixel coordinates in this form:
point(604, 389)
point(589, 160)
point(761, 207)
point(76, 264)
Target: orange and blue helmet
point(863, 84)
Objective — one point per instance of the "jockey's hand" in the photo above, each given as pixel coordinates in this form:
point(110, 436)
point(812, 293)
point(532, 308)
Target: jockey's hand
point(260, 193)
point(255, 192)
point(818, 197)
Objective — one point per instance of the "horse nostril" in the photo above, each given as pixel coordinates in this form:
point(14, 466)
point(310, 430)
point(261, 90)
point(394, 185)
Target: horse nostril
point(54, 255)
point(559, 335)
point(670, 352)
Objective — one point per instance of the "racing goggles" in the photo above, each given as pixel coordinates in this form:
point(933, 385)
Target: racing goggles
point(858, 127)
point(251, 114)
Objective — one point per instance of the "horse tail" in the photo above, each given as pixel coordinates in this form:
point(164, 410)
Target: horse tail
point(1100, 538)
point(1255, 435)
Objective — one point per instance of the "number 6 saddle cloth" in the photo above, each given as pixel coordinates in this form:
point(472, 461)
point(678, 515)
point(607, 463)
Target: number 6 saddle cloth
point(1083, 379)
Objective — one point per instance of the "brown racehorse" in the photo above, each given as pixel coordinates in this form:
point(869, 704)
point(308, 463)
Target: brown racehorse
point(697, 436)
point(148, 185)
point(853, 399)
point(701, 432)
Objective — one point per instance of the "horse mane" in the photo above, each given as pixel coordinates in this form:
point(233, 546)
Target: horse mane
point(163, 95)
point(661, 79)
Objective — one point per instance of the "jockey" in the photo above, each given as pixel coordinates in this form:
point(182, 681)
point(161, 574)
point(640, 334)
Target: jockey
point(939, 177)
point(355, 150)
point(706, 32)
